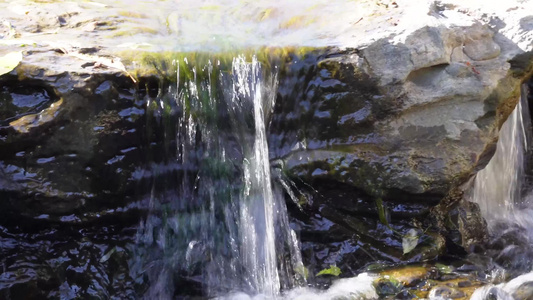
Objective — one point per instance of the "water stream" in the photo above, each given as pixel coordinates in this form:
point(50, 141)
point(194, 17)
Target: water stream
point(504, 196)
point(499, 188)
point(217, 220)
point(218, 225)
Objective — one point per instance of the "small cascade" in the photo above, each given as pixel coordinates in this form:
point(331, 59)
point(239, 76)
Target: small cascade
point(499, 188)
point(505, 198)
point(217, 222)
point(257, 212)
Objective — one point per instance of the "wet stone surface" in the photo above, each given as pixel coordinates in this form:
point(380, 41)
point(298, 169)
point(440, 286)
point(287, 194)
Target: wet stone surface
point(20, 99)
point(339, 225)
point(82, 143)
point(42, 260)
point(433, 281)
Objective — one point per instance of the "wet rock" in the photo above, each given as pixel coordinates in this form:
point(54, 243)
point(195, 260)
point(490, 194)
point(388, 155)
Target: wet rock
point(21, 100)
point(387, 287)
point(405, 119)
point(444, 292)
point(56, 262)
point(342, 226)
point(510, 246)
point(55, 136)
point(524, 291)
point(408, 276)
point(424, 281)
point(372, 117)
point(460, 221)
point(402, 118)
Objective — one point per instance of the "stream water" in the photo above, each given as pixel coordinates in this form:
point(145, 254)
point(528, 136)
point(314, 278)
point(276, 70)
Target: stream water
point(504, 195)
point(218, 224)
point(219, 220)
point(500, 189)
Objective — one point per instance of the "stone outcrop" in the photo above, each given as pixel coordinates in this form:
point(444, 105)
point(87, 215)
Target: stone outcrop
point(406, 119)
point(60, 153)
point(393, 118)
point(384, 118)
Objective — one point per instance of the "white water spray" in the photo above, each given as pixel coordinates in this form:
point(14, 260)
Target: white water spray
point(499, 190)
point(220, 221)
point(498, 187)
point(257, 212)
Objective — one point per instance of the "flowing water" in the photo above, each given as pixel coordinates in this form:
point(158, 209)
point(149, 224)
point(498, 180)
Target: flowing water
point(505, 198)
point(216, 219)
point(499, 188)
point(217, 224)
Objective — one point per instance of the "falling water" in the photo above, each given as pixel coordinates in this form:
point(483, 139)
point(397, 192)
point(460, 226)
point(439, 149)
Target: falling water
point(498, 189)
point(257, 215)
point(505, 199)
point(216, 219)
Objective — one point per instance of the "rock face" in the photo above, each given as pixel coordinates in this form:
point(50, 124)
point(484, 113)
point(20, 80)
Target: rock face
point(384, 126)
point(411, 118)
point(61, 149)
point(405, 119)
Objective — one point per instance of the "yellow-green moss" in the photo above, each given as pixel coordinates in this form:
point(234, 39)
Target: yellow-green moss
point(134, 31)
point(131, 14)
point(297, 22)
point(164, 64)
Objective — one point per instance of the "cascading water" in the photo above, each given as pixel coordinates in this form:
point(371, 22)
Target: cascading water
point(505, 199)
point(498, 189)
point(215, 217)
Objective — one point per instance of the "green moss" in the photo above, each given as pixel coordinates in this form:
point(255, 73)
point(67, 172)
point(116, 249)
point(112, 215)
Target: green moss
point(297, 22)
point(164, 64)
point(267, 14)
point(131, 14)
point(332, 270)
point(134, 31)
point(210, 7)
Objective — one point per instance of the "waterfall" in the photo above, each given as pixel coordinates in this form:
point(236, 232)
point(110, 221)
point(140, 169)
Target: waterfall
point(216, 218)
point(505, 198)
point(498, 189)
point(257, 213)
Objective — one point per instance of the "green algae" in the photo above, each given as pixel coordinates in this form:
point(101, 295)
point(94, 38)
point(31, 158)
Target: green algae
point(164, 64)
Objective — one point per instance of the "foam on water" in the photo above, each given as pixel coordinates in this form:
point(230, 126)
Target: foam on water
point(359, 287)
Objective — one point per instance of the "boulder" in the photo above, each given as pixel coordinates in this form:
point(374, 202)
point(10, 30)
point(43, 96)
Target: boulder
point(416, 117)
point(407, 118)
point(398, 105)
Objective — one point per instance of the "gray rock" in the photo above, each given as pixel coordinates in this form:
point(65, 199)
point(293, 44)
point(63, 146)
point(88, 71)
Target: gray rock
point(407, 108)
point(414, 117)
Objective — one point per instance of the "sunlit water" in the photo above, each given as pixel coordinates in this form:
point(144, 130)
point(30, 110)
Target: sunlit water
point(218, 224)
point(498, 189)
point(190, 25)
point(359, 287)
point(505, 198)
point(218, 220)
